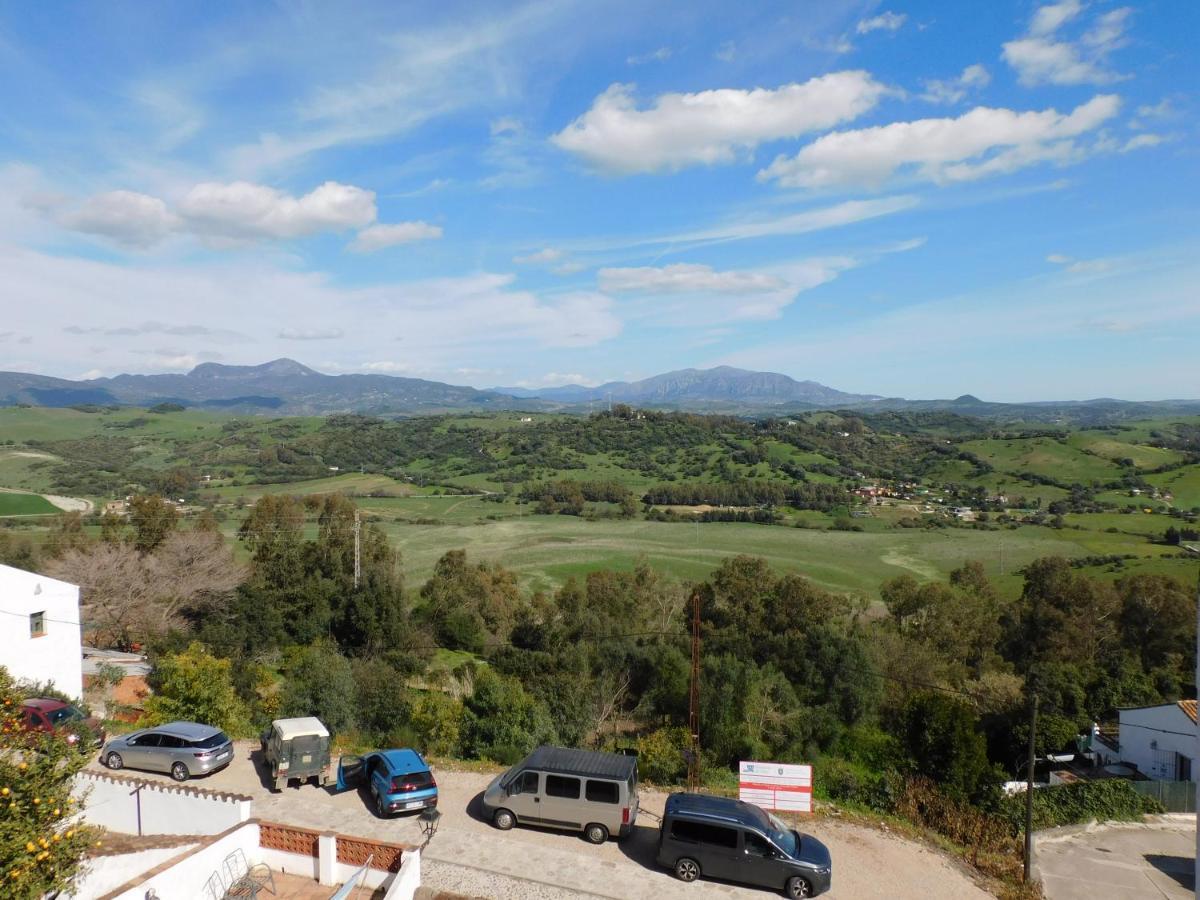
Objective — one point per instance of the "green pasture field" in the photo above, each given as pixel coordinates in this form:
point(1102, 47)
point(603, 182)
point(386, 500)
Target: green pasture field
point(1143, 456)
point(1183, 483)
point(1044, 456)
point(25, 469)
point(26, 505)
point(350, 483)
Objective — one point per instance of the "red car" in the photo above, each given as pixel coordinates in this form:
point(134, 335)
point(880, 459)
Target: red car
point(55, 716)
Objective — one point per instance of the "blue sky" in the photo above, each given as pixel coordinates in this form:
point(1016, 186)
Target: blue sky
point(913, 199)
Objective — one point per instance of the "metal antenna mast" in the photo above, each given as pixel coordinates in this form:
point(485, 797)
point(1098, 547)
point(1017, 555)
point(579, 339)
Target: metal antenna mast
point(357, 549)
point(694, 699)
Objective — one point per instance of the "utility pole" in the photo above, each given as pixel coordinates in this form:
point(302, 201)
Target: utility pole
point(694, 699)
point(1197, 777)
point(357, 549)
point(1029, 788)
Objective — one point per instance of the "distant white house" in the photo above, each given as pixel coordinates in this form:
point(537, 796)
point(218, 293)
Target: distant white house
point(1161, 740)
point(40, 635)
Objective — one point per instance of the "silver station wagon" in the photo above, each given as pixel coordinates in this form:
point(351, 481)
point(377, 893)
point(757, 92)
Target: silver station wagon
point(182, 749)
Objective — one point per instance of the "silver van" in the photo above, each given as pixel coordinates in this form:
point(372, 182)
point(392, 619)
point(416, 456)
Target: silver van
point(577, 790)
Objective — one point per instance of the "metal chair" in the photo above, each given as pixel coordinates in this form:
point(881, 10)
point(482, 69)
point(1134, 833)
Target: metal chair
point(214, 888)
point(245, 880)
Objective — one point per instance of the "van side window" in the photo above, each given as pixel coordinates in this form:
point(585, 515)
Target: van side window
point(603, 791)
point(702, 833)
point(525, 783)
point(560, 786)
point(757, 845)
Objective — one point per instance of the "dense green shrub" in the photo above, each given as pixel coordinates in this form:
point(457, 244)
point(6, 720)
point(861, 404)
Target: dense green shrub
point(661, 757)
point(1110, 800)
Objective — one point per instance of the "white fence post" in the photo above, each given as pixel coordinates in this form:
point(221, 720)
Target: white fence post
point(327, 859)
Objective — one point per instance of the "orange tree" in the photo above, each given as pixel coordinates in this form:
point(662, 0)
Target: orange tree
point(42, 843)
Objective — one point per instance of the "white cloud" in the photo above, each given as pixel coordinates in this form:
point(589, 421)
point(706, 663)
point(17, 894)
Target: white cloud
point(1080, 266)
point(1042, 56)
point(982, 142)
point(311, 334)
point(710, 127)
point(377, 237)
point(885, 21)
point(505, 125)
point(954, 90)
point(545, 255)
point(1048, 19)
point(556, 379)
point(687, 295)
point(1137, 142)
point(230, 214)
point(478, 318)
point(682, 278)
point(241, 210)
point(662, 54)
point(125, 217)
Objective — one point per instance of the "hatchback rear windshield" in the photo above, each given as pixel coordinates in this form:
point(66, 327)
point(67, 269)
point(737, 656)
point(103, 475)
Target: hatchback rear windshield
point(209, 742)
point(413, 781)
point(66, 714)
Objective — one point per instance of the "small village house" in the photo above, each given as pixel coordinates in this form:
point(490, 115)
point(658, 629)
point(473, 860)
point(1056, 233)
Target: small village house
point(40, 633)
point(1161, 740)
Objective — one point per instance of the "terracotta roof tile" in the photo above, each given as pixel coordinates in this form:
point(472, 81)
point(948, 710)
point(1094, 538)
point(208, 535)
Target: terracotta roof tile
point(1189, 707)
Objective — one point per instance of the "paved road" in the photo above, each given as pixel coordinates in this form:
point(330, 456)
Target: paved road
point(1152, 861)
point(470, 857)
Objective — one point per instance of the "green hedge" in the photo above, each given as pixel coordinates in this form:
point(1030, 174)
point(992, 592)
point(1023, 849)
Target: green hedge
point(1072, 804)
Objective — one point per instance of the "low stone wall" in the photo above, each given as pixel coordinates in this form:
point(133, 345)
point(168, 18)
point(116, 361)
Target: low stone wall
point(137, 806)
point(333, 858)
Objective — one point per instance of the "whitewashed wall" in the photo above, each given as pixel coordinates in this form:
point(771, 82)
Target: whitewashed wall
point(55, 656)
point(166, 808)
point(1150, 732)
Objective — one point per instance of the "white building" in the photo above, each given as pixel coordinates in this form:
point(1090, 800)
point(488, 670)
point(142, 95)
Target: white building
point(1161, 740)
point(39, 632)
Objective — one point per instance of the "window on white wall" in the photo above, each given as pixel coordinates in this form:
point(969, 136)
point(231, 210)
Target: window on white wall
point(37, 624)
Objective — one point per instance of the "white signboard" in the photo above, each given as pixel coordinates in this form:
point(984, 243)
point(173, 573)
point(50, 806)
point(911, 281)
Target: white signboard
point(778, 786)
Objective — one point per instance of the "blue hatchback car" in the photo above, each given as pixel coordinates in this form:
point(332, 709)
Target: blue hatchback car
point(399, 780)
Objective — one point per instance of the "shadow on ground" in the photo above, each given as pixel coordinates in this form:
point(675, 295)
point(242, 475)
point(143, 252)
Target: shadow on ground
point(1180, 868)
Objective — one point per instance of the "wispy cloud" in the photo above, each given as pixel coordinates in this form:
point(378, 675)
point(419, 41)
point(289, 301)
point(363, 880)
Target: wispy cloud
point(885, 21)
point(1043, 56)
point(954, 90)
point(662, 54)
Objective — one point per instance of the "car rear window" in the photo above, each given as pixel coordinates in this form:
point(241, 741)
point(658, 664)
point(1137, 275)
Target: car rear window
point(209, 743)
point(413, 781)
point(66, 714)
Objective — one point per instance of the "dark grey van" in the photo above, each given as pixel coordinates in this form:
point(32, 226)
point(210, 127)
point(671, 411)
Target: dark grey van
point(734, 841)
point(557, 787)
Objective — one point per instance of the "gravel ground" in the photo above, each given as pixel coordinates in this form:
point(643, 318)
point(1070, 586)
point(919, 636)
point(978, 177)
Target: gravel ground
point(468, 856)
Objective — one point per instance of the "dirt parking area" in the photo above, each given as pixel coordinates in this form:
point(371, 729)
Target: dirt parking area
point(1128, 861)
point(468, 856)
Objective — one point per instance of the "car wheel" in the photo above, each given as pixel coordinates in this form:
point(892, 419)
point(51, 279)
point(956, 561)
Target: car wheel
point(114, 761)
point(596, 833)
point(687, 869)
point(380, 808)
point(504, 820)
point(179, 772)
point(798, 887)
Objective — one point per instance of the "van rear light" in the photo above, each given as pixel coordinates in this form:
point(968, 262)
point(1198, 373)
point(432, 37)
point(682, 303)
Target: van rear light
point(625, 815)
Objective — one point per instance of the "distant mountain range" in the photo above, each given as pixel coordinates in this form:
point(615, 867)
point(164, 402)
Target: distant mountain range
point(723, 384)
point(285, 387)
